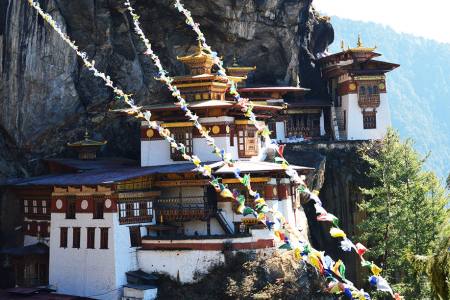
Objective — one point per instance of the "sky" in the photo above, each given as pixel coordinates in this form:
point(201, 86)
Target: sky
point(426, 18)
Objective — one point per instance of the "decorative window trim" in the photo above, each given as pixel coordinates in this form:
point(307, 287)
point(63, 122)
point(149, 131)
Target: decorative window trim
point(182, 135)
point(369, 119)
point(247, 138)
point(135, 211)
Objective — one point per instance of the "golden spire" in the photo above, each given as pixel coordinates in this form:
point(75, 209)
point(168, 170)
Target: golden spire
point(342, 45)
point(359, 43)
point(235, 62)
point(360, 46)
point(199, 48)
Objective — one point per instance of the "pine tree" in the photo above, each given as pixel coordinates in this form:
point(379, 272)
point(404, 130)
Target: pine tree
point(405, 209)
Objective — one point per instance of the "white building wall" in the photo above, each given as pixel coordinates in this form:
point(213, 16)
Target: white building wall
point(228, 213)
point(280, 131)
point(181, 264)
point(322, 124)
point(96, 273)
point(155, 153)
point(204, 152)
point(355, 129)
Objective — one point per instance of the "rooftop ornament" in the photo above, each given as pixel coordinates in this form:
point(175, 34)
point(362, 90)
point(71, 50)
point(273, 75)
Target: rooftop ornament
point(87, 148)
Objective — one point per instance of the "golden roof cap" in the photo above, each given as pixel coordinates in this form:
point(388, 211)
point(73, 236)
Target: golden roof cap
point(360, 47)
point(198, 54)
point(87, 142)
point(236, 67)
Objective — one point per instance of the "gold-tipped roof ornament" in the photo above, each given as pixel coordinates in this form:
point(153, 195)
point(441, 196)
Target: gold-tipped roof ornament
point(360, 46)
point(197, 54)
point(236, 67)
point(87, 142)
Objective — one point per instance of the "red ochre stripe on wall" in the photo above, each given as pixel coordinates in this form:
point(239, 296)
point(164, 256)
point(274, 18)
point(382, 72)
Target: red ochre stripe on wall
point(259, 244)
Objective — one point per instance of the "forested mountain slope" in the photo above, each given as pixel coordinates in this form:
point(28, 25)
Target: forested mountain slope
point(419, 91)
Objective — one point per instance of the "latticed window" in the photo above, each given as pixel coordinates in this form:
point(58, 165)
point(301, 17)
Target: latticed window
point(135, 211)
point(181, 135)
point(370, 119)
point(36, 208)
point(369, 94)
point(247, 141)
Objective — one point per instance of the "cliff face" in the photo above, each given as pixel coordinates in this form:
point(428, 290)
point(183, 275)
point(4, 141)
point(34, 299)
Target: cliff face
point(339, 176)
point(48, 97)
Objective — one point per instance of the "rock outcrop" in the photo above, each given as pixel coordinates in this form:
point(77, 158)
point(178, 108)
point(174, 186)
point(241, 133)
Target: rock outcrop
point(47, 97)
point(339, 176)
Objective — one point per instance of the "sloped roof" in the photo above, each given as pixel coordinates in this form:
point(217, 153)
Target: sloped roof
point(100, 176)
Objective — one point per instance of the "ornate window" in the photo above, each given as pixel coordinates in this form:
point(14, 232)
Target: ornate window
point(135, 211)
point(247, 141)
point(181, 135)
point(26, 208)
point(36, 208)
point(304, 125)
point(369, 119)
point(368, 94)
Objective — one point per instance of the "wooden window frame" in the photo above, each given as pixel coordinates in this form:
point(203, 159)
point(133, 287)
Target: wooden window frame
point(369, 119)
point(104, 237)
point(71, 208)
point(185, 136)
point(243, 140)
point(136, 211)
point(90, 237)
point(76, 237)
point(135, 236)
point(63, 237)
point(99, 207)
point(26, 207)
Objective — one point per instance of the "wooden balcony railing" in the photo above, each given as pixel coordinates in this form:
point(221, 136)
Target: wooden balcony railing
point(183, 209)
point(305, 132)
point(372, 100)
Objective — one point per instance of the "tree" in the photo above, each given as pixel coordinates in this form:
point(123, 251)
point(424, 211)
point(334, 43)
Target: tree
point(405, 210)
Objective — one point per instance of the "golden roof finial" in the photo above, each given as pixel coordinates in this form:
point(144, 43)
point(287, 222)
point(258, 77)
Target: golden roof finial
point(360, 43)
point(235, 62)
point(342, 45)
point(86, 134)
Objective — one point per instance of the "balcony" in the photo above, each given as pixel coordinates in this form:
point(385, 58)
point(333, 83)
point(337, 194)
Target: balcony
point(371, 100)
point(183, 208)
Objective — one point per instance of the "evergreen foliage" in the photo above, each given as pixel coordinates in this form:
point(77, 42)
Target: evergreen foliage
point(405, 212)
